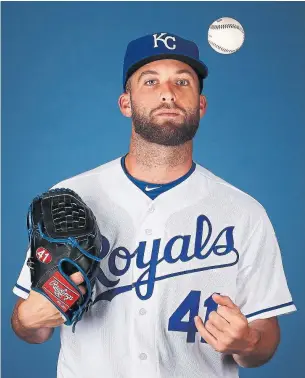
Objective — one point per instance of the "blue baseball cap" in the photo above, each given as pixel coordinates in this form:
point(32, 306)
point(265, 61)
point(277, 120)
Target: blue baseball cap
point(162, 46)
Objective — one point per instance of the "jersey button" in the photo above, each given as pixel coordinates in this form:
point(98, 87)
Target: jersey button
point(152, 209)
point(143, 356)
point(148, 231)
point(142, 311)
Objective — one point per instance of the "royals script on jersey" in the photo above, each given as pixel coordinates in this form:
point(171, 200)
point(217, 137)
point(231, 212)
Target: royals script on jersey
point(165, 259)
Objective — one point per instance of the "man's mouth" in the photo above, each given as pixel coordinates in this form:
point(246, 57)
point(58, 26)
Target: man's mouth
point(168, 114)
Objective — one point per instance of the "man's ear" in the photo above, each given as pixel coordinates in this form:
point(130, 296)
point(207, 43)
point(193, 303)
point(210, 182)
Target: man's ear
point(125, 104)
point(203, 105)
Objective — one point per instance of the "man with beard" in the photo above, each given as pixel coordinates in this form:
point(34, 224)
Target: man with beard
point(192, 282)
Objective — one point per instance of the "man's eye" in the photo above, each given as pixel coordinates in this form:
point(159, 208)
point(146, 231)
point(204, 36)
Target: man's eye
point(150, 82)
point(183, 82)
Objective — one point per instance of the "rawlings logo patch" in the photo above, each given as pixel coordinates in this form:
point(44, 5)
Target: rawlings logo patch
point(60, 291)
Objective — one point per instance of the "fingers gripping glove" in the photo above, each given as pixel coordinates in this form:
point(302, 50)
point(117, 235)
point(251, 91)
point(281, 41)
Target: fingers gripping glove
point(64, 239)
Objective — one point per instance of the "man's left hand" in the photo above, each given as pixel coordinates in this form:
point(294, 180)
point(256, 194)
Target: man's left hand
point(227, 329)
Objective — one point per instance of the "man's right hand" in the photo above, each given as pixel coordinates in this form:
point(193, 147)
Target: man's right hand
point(38, 312)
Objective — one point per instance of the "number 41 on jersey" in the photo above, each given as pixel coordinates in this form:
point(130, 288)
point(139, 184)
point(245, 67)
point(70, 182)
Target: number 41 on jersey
point(190, 305)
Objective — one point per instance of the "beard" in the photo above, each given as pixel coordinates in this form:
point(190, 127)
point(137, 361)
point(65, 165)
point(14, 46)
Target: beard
point(168, 133)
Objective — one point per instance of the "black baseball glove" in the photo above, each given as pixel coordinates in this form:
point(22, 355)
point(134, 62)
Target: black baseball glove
point(64, 239)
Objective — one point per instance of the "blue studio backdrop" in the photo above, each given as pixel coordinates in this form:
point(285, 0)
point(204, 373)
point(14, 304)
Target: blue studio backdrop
point(61, 78)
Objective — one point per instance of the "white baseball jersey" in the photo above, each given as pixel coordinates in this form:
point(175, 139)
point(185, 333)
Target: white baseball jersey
point(166, 258)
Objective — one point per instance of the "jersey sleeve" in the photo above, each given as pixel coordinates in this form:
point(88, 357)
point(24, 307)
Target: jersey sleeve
point(262, 289)
point(23, 285)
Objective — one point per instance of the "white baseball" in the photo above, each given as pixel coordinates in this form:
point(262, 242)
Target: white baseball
point(226, 35)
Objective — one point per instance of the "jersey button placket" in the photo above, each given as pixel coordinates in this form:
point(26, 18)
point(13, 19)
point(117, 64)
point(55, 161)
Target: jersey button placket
point(143, 327)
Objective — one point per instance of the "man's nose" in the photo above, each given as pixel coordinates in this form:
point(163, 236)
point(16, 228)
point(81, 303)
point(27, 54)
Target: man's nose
point(167, 93)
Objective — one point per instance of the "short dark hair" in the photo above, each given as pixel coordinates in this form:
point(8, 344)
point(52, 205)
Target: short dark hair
point(128, 86)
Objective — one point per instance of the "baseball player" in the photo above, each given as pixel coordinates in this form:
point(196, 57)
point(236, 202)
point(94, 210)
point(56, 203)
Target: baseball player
point(192, 280)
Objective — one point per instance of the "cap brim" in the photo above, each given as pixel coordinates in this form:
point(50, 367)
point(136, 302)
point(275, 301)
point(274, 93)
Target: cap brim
point(199, 67)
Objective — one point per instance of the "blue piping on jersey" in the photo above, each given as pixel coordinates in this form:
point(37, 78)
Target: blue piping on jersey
point(22, 288)
point(269, 309)
point(161, 187)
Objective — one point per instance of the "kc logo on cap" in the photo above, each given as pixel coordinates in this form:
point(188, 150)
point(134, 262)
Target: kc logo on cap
point(164, 40)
